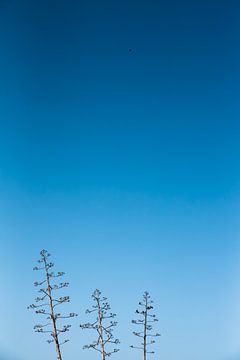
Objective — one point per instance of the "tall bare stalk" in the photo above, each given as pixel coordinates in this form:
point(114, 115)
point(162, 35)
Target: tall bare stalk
point(46, 303)
point(104, 330)
point(145, 321)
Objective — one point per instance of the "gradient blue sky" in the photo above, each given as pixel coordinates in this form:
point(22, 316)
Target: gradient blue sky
point(124, 165)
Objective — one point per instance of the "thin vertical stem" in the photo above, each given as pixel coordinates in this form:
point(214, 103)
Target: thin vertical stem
point(145, 331)
point(55, 335)
point(101, 329)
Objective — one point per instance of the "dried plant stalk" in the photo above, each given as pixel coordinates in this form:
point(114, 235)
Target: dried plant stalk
point(46, 303)
point(104, 330)
point(146, 322)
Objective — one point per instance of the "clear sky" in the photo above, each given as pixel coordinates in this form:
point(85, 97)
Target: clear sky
point(124, 165)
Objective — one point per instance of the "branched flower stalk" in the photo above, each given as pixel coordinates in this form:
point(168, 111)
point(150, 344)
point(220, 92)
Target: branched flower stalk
point(103, 325)
point(46, 303)
point(146, 321)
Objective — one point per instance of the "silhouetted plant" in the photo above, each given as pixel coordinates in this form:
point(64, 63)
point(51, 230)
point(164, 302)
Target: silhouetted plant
point(146, 323)
point(103, 325)
point(46, 303)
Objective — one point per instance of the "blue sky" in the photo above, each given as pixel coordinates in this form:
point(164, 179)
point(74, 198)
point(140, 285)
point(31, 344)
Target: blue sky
point(124, 165)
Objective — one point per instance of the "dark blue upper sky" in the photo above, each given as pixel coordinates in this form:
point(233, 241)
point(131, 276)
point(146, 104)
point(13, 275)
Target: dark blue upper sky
point(79, 109)
point(126, 147)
